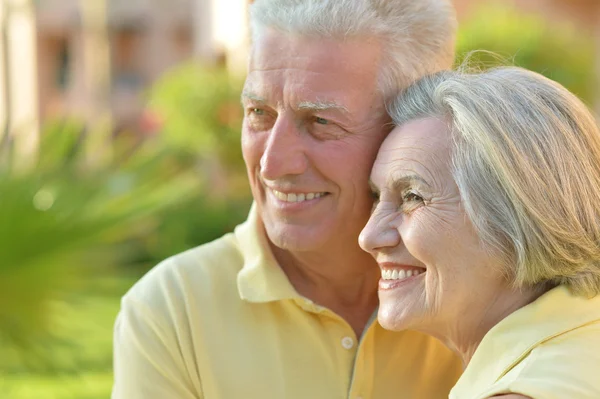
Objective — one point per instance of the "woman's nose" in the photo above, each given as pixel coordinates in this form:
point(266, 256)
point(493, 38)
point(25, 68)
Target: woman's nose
point(378, 234)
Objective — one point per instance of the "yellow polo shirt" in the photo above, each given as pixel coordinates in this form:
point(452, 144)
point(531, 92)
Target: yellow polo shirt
point(222, 321)
point(549, 349)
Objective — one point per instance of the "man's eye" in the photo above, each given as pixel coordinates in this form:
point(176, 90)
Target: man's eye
point(257, 111)
point(324, 129)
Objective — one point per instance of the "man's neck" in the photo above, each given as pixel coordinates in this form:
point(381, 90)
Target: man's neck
point(345, 283)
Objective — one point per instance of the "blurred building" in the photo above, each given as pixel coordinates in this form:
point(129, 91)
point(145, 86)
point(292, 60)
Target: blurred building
point(18, 85)
point(95, 59)
point(140, 39)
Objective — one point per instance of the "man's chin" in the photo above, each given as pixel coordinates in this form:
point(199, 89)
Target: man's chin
point(296, 238)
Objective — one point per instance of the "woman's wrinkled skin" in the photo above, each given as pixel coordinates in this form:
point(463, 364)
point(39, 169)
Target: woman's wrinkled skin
point(418, 223)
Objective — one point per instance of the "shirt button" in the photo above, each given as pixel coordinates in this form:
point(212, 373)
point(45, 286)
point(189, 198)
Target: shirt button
point(347, 342)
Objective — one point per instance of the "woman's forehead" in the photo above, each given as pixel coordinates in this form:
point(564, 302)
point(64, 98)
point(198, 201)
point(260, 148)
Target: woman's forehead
point(416, 148)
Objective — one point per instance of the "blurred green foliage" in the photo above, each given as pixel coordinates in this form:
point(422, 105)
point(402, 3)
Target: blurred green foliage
point(561, 52)
point(76, 234)
point(200, 108)
point(61, 222)
point(82, 359)
point(199, 113)
point(66, 222)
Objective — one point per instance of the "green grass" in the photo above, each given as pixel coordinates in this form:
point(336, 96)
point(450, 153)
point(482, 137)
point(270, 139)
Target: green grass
point(32, 386)
point(76, 363)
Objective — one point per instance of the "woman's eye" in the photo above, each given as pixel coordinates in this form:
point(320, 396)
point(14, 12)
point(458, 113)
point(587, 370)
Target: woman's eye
point(411, 201)
point(412, 197)
point(375, 195)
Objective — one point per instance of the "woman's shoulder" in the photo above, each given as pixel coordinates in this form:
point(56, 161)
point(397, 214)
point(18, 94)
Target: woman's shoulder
point(564, 366)
point(573, 349)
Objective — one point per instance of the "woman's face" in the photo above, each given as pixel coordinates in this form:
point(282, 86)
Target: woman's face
point(434, 268)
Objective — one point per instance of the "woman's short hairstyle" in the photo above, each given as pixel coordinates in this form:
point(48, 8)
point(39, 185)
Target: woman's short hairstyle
point(526, 159)
point(418, 36)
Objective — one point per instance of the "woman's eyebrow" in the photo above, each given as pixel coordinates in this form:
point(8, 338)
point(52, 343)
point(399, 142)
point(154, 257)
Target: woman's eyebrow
point(396, 183)
point(373, 187)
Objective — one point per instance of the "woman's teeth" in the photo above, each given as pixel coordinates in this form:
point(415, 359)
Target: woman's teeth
point(395, 274)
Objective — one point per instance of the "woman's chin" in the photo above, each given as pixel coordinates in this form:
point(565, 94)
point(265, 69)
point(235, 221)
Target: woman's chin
point(400, 312)
point(395, 319)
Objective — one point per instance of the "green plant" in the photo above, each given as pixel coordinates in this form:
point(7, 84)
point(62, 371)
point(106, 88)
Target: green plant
point(558, 51)
point(82, 362)
point(199, 114)
point(188, 224)
point(68, 223)
point(200, 110)
point(61, 223)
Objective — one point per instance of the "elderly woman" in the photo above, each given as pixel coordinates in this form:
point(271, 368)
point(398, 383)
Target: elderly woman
point(486, 227)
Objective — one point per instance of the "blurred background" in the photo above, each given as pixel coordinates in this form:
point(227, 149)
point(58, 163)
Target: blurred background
point(119, 146)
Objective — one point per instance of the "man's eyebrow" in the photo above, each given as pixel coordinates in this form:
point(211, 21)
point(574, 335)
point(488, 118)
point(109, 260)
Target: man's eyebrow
point(321, 106)
point(248, 95)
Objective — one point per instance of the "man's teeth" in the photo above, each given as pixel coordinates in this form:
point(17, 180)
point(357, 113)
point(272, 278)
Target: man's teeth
point(292, 197)
point(401, 274)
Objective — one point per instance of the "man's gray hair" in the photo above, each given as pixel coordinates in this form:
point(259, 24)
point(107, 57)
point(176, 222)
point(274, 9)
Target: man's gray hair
point(417, 35)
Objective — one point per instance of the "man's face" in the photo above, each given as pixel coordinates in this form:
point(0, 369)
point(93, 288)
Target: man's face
point(314, 120)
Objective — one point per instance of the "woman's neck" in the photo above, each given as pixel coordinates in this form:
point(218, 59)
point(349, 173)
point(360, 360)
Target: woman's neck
point(464, 335)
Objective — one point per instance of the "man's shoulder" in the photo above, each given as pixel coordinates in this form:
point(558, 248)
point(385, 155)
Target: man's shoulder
point(190, 276)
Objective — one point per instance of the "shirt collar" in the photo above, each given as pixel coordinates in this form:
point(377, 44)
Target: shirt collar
point(261, 278)
point(556, 312)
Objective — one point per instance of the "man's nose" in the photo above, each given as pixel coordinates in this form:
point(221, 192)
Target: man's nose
point(379, 234)
point(284, 152)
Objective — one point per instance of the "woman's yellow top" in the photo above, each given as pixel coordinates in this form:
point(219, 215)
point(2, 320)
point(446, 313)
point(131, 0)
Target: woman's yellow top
point(549, 349)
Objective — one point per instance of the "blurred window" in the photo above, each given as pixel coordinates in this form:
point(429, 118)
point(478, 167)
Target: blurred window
point(127, 58)
point(63, 70)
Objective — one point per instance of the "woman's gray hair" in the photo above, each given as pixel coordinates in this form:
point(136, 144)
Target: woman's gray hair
point(418, 36)
point(526, 159)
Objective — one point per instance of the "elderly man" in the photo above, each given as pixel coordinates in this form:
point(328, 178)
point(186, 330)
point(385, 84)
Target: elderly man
point(284, 307)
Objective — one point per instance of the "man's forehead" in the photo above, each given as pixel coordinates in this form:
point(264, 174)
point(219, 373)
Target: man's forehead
point(315, 74)
point(318, 62)
point(307, 90)
point(273, 48)
point(298, 99)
